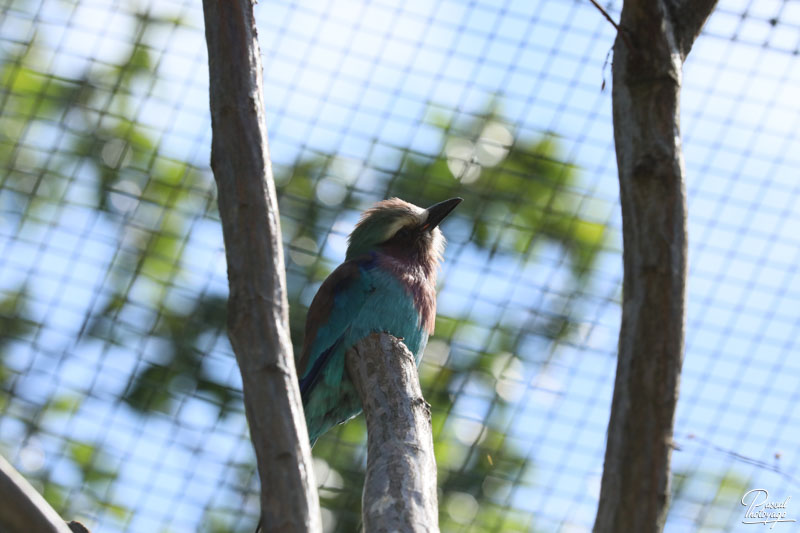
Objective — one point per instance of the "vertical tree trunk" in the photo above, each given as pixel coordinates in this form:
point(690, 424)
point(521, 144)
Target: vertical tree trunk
point(654, 39)
point(400, 485)
point(258, 323)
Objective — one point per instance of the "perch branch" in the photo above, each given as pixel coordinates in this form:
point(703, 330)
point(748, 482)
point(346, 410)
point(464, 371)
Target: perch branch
point(400, 486)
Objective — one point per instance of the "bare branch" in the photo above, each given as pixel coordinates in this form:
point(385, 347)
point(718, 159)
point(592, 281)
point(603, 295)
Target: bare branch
point(22, 509)
point(691, 17)
point(647, 79)
point(605, 14)
point(257, 309)
point(400, 486)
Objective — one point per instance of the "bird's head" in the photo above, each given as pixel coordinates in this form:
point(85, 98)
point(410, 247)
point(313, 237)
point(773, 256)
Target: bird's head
point(401, 229)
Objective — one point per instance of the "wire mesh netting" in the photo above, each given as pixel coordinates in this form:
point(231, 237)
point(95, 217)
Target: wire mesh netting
point(119, 393)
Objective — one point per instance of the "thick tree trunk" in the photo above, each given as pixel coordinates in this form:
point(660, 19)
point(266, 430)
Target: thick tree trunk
point(400, 486)
point(655, 37)
point(258, 323)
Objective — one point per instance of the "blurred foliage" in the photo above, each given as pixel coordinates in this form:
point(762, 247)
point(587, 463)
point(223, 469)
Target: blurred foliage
point(13, 321)
point(153, 388)
point(89, 117)
point(520, 195)
point(707, 500)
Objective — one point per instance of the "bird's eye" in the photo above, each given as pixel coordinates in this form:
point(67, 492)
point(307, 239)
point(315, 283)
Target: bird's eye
point(402, 233)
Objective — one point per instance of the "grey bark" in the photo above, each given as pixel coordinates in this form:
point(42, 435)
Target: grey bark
point(655, 37)
point(400, 486)
point(22, 509)
point(258, 324)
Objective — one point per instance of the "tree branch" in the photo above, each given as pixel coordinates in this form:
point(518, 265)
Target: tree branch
point(603, 12)
point(692, 15)
point(400, 485)
point(22, 509)
point(258, 324)
point(635, 488)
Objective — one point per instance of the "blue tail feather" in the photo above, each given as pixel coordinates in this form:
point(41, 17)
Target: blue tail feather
point(312, 376)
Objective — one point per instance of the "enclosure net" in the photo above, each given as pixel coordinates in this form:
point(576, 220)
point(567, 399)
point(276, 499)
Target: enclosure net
point(120, 399)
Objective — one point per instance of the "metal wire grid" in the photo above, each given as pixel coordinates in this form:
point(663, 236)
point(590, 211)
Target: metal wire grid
point(360, 87)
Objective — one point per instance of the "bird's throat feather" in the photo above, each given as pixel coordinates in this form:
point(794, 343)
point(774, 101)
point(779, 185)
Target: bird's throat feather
point(419, 282)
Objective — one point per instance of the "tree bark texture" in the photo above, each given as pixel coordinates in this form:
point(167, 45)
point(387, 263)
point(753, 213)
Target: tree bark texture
point(655, 38)
point(258, 324)
point(400, 486)
point(22, 509)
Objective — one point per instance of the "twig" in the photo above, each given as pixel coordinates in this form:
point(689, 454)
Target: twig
point(746, 459)
point(620, 30)
point(605, 14)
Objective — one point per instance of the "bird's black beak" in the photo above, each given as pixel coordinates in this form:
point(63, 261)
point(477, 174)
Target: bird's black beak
point(438, 212)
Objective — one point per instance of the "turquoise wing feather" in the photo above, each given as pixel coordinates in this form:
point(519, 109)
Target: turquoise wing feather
point(338, 300)
point(320, 368)
point(357, 299)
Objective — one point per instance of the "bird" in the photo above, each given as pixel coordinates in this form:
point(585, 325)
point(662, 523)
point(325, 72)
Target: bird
point(387, 283)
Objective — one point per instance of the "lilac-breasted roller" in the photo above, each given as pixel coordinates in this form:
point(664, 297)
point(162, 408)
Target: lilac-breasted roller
point(386, 284)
